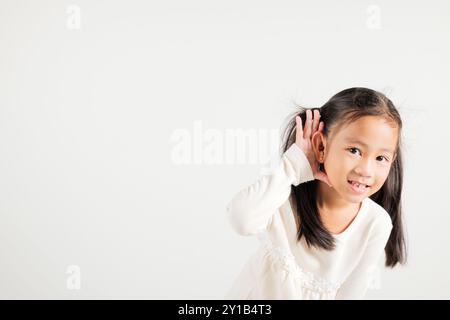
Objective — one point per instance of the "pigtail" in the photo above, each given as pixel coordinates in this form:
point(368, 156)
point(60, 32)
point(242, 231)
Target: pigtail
point(389, 197)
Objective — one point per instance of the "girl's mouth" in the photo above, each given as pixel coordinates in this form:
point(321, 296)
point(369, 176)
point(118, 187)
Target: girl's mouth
point(356, 187)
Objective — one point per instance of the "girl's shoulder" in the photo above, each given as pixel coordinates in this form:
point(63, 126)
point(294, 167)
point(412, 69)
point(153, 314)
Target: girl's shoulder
point(378, 217)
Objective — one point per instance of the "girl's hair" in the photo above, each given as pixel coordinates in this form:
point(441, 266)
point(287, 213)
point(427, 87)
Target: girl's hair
point(345, 107)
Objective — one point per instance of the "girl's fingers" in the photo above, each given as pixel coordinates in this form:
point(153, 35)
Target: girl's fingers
point(299, 129)
point(307, 131)
point(321, 126)
point(312, 124)
point(316, 121)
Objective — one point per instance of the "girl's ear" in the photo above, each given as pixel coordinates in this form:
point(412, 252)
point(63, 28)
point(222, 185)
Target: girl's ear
point(319, 143)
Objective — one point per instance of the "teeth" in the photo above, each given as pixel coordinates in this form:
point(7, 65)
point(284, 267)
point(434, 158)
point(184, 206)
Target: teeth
point(357, 184)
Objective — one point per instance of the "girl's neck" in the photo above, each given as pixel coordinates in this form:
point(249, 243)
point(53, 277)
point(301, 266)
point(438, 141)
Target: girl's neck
point(328, 200)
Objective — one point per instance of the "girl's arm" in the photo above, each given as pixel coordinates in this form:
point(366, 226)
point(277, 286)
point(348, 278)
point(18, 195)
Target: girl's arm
point(357, 283)
point(251, 209)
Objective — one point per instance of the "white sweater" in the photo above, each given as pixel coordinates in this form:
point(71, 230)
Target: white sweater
point(282, 267)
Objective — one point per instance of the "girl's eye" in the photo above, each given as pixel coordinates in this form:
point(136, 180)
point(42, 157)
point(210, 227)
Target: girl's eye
point(352, 149)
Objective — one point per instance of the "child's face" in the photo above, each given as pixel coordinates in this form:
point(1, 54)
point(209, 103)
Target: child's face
point(367, 162)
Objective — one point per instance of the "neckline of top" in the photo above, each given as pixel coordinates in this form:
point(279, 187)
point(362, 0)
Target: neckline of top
point(359, 214)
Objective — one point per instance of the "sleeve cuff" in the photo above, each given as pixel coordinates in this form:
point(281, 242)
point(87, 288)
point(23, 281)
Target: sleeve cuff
point(298, 160)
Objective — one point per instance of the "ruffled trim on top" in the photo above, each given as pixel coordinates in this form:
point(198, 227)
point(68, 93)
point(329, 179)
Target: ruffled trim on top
point(307, 279)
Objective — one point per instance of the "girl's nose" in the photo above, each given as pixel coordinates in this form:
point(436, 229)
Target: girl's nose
point(364, 169)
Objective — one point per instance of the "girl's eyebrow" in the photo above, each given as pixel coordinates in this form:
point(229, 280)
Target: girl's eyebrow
point(352, 140)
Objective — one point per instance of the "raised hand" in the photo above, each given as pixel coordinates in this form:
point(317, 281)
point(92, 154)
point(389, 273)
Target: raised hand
point(303, 141)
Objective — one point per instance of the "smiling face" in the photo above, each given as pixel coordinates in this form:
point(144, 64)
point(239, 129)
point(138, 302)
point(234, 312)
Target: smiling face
point(361, 151)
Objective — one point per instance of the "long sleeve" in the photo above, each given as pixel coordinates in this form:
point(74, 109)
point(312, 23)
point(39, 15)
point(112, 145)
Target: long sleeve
point(357, 283)
point(251, 209)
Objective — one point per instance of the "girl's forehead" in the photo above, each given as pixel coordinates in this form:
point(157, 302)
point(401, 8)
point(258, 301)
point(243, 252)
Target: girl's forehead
point(371, 130)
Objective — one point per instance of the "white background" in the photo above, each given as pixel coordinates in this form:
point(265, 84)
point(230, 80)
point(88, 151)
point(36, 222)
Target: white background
point(89, 109)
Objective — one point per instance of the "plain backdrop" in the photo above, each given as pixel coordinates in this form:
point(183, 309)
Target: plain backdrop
point(95, 95)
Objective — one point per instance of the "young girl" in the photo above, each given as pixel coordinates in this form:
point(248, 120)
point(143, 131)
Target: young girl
point(330, 208)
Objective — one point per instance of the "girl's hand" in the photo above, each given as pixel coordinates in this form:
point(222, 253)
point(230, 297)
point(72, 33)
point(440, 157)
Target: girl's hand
point(303, 141)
